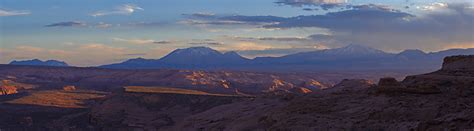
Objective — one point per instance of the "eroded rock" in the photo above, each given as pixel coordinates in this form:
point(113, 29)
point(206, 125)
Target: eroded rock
point(7, 89)
point(69, 88)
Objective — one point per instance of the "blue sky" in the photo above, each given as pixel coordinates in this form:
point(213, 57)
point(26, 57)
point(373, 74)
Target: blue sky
point(93, 32)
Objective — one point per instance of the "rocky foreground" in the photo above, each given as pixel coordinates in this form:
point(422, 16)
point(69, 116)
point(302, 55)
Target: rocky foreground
point(442, 100)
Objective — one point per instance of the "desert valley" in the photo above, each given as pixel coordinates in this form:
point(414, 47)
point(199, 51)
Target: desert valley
point(50, 97)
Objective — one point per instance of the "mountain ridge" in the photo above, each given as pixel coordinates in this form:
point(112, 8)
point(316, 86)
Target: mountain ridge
point(349, 57)
point(37, 62)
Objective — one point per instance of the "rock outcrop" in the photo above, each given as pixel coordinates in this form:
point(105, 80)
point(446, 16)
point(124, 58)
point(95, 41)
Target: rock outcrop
point(7, 89)
point(69, 88)
point(350, 86)
point(459, 63)
point(456, 76)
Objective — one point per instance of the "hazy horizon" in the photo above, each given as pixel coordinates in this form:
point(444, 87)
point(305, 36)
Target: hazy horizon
point(91, 33)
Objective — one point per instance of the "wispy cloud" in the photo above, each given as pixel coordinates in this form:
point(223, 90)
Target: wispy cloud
point(141, 41)
point(274, 52)
point(207, 19)
point(135, 54)
point(204, 42)
point(146, 24)
point(207, 43)
point(67, 24)
point(29, 48)
point(162, 42)
point(103, 25)
point(323, 4)
point(310, 2)
point(433, 6)
point(13, 12)
point(126, 9)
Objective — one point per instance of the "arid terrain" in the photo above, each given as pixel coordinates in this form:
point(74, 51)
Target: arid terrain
point(68, 98)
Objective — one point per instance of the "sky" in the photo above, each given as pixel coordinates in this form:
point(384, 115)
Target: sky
point(97, 32)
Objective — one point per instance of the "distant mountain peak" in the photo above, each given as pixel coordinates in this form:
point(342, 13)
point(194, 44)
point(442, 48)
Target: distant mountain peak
point(199, 50)
point(37, 62)
point(355, 49)
point(138, 59)
point(201, 56)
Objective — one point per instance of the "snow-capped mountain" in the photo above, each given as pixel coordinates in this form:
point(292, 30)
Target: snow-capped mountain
point(202, 56)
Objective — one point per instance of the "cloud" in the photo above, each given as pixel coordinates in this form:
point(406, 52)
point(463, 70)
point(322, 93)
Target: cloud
point(216, 22)
point(99, 25)
point(322, 4)
point(126, 9)
point(248, 46)
point(13, 12)
point(162, 42)
point(29, 48)
point(213, 19)
point(300, 3)
point(141, 41)
point(135, 41)
point(103, 25)
point(68, 24)
point(433, 6)
point(146, 24)
point(281, 41)
point(207, 43)
point(273, 52)
point(382, 27)
point(201, 15)
point(136, 54)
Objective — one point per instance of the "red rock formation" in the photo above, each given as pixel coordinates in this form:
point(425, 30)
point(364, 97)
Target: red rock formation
point(7, 89)
point(300, 90)
point(69, 88)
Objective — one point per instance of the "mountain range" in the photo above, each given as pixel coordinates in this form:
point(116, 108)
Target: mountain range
point(351, 57)
point(37, 62)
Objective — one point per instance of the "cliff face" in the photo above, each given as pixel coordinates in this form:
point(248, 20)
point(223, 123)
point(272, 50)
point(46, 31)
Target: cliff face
point(462, 62)
point(455, 77)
